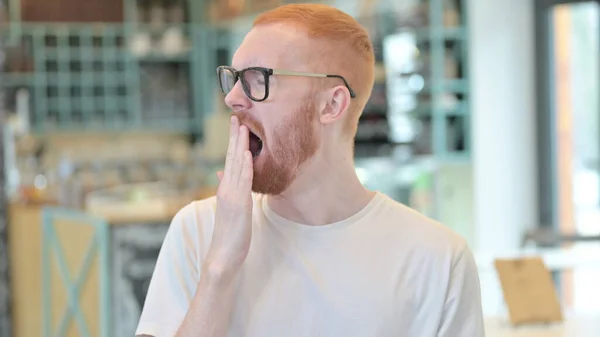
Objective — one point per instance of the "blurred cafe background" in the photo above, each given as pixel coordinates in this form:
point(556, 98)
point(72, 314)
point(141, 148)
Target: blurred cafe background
point(485, 116)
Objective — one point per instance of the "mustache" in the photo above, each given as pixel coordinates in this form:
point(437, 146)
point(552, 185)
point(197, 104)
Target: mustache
point(253, 125)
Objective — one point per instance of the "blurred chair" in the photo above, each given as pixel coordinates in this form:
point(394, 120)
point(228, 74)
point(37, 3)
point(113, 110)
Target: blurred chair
point(549, 237)
point(76, 289)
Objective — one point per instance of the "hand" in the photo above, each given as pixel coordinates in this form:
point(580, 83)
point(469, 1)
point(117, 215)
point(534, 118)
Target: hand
point(233, 220)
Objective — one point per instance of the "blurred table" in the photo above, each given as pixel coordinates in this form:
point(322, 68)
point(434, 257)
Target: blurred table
point(556, 259)
point(573, 326)
point(581, 261)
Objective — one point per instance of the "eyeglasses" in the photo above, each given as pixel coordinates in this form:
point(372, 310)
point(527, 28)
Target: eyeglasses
point(255, 80)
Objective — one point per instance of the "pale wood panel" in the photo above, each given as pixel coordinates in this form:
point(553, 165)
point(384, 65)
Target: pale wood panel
point(25, 238)
point(90, 298)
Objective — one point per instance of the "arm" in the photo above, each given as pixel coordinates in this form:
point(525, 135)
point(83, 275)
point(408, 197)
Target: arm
point(208, 293)
point(209, 312)
point(188, 296)
point(211, 307)
point(463, 314)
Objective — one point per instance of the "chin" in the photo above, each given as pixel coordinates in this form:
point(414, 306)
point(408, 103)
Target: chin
point(270, 178)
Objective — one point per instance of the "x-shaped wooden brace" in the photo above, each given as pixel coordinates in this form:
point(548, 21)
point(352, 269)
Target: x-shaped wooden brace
point(52, 243)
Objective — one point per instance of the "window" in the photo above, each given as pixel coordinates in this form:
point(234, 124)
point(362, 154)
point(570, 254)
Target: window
point(568, 83)
point(568, 37)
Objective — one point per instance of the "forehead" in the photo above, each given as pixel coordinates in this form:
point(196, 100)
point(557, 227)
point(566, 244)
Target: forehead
point(273, 46)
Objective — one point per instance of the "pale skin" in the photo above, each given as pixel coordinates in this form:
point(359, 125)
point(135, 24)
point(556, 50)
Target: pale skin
point(325, 190)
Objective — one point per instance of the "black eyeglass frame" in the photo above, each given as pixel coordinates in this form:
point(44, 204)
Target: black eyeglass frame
point(267, 73)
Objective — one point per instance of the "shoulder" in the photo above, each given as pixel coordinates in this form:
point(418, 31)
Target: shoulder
point(196, 209)
point(419, 232)
point(193, 224)
point(198, 213)
point(432, 248)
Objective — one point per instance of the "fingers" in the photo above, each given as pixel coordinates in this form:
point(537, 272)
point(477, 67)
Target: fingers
point(247, 173)
point(234, 127)
point(242, 146)
point(238, 164)
point(243, 142)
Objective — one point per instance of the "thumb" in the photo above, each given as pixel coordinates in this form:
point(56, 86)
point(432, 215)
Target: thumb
point(220, 176)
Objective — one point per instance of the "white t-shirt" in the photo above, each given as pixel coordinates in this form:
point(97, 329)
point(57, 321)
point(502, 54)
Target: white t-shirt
point(385, 271)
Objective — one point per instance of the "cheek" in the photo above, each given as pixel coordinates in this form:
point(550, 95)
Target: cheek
point(289, 126)
point(309, 136)
point(276, 122)
point(282, 139)
point(267, 115)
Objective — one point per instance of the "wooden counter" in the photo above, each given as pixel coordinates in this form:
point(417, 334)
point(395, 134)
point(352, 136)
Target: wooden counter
point(148, 210)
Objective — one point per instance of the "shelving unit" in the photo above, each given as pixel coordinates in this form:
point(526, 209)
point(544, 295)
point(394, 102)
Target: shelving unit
point(423, 100)
point(120, 77)
point(112, 76)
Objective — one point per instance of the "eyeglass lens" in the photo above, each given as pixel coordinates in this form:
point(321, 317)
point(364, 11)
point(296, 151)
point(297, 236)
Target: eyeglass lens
point(253, 82)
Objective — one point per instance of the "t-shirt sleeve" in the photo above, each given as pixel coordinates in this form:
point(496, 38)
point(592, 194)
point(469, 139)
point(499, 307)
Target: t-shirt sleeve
point(174, 279)
point(463, 314)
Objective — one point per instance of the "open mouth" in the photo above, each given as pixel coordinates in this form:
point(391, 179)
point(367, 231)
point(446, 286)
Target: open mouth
point(256, 144)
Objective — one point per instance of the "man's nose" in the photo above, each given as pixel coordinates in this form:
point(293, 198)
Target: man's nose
point(236, 99)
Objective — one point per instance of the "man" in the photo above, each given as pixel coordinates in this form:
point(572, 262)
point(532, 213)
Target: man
point(293, 244)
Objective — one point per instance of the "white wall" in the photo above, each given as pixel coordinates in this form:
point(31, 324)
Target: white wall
point(503, 105)
point(501, 52)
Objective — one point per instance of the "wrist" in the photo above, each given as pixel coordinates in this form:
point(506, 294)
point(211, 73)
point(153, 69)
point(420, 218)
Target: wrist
point(218, 273)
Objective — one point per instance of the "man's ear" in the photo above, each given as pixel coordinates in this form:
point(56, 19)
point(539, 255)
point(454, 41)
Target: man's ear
point(337, 102)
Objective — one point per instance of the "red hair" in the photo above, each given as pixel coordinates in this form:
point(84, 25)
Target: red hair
point(346, 50)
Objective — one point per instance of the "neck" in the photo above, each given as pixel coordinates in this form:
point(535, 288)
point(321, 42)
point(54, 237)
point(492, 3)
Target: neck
point(324, 193)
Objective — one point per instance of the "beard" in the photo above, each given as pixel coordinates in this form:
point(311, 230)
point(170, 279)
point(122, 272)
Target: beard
point(291, 145)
